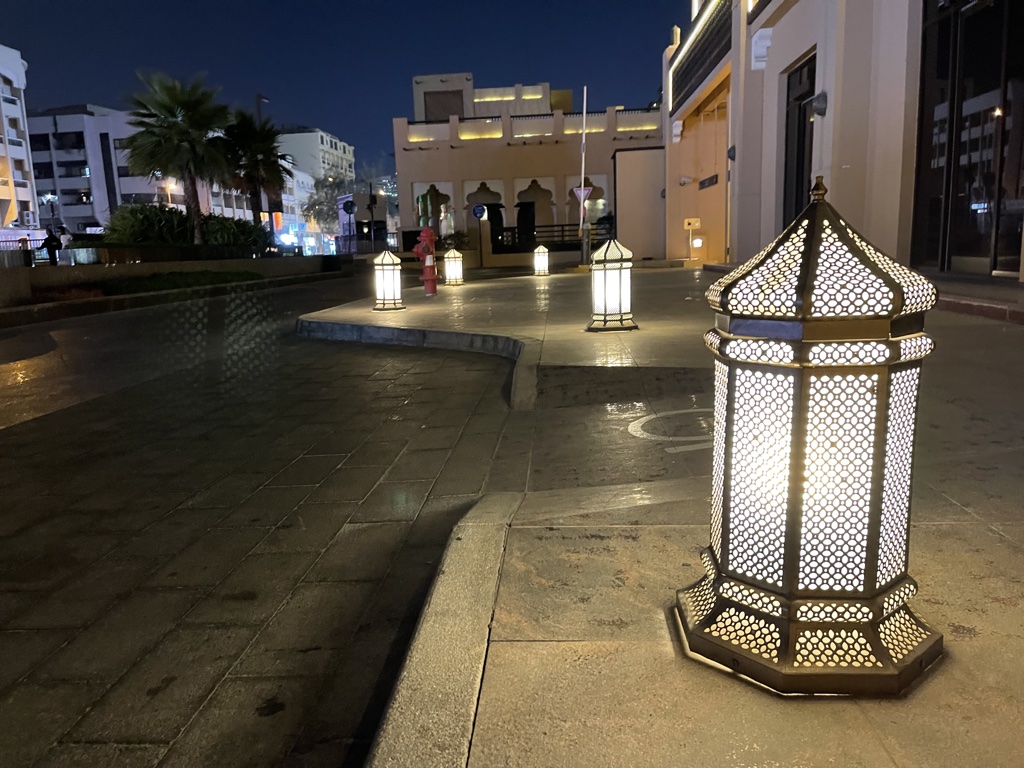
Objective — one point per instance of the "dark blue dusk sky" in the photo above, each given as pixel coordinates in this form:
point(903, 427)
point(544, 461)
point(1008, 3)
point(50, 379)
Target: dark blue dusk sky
point(342, 66)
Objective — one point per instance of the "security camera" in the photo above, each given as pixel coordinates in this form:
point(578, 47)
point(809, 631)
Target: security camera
point(684, 180)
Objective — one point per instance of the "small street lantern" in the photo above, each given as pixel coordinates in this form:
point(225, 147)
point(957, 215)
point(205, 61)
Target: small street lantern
point(387, 268)
point(453, 268)
point(610, 282)
point(540, 260)
point(818, 346)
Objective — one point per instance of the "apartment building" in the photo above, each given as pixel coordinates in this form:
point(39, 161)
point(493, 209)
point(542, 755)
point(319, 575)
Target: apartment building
point(18, 207)
point(318, 153)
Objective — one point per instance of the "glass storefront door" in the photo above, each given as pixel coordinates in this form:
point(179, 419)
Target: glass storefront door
point(969, 200)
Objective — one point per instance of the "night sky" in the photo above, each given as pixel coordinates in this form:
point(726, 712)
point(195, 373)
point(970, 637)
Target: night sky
point(339, 65)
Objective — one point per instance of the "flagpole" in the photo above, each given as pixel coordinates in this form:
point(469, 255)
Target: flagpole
point(583, 160)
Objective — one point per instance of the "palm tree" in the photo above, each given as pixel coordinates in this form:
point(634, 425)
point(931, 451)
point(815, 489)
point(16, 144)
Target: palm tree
point(178, 129)
point(257, 166)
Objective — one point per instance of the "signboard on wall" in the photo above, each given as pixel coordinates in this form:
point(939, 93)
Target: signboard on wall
point(692, 223)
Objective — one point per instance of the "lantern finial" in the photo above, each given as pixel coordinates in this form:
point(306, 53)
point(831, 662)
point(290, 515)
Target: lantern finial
point(819, 190)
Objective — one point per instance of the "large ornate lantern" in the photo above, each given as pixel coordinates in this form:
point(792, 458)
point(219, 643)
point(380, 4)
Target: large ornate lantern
point(453, 268)
point(387, 269)
point(540, 260)
point(818, 346)
point(610, 283)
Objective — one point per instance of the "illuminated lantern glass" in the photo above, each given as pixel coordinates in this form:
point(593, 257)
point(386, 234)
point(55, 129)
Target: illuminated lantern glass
point(818, 346)
point(453, 268)
point(610, 284)
point(540, 260)
point(387, 269)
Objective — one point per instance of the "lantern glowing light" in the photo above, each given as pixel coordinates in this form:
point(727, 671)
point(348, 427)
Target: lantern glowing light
point(818, 344)
point(540, 260)
point(610, 286)
point(387, 270)
point(453, 268)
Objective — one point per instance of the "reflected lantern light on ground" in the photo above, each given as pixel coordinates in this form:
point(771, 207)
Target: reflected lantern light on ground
point(818, 346)
point(453, 267)
point(611, 289)
point(387, 271)
point(540, 260)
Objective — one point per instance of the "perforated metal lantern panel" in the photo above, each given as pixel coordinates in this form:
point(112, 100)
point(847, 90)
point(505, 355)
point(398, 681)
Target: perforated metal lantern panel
point(387, 271)
point(818, 346)
point(611, 288)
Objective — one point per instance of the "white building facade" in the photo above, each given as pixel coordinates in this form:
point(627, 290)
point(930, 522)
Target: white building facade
point(318, 153)
point(80, 158)
point(18, 207)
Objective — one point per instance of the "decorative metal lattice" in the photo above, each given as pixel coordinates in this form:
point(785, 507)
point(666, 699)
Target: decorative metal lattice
point(918, 294)
point(837, 491)
point(898, 598)
point(834, 648)
point(759, 473)
point(752, 598)
point(849, 353)
point(915, 347)
point(750, 633)
point(750, 350)
point(815, 402)
point(901, 635)
point(899, 453)
point(700, 599)
point(718, 455)
point(844, 286)
point(833, 612)
point(770, 291)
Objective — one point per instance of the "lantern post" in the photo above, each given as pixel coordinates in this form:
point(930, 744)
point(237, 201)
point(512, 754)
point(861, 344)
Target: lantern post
point(611, 289)
point(540, 261)
point(818, 345)
point(387, 270)
point(453, 267)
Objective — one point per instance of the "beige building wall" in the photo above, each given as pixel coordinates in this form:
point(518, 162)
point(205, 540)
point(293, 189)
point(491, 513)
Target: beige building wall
point(639, 207)
point(867, 60)
point(508, 153)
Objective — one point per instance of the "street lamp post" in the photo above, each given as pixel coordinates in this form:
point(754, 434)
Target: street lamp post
point(818, 344)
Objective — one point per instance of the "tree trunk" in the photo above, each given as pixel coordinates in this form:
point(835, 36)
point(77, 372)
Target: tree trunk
point(256, 205)
point(193, 208)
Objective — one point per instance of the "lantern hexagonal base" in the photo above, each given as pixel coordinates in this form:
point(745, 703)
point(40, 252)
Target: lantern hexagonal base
point(863, 647)
point(388, 308)
point(618, 324)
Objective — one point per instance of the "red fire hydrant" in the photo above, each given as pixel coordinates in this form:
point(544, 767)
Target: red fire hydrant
point(425, 250)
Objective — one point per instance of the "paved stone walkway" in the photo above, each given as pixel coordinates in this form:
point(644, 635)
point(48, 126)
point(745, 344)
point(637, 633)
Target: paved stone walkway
point(215, 537)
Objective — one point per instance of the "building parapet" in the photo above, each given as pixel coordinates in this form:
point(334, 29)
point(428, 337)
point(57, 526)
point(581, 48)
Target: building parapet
point(709, 42)
point(623, 124)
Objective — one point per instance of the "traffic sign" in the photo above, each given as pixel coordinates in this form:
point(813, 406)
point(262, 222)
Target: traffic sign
point(479, 210)
point(348, 206)
point(582, 193)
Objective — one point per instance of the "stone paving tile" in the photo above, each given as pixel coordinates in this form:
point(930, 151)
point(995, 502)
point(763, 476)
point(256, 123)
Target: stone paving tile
point(308, 470)
point(35, 715)
point(106, 755)
point(159, 695)
point(85, 598)
point(310, 528)
point(22, 650)
point(348, 484)
point(361, 552)
point(267, 507)
point(372, 454)
point(170, 534)
point(228, 491)
point(592, 583)
point(393, 501)
point(436, 437)
point(254, 591)
point(215, 554)
point(110, 646)
point(247, 722)
point(418, 465)
point(57, 560)
point(309, 634)
point(340, 442)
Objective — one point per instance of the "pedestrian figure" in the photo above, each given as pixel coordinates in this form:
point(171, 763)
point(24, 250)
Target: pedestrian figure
point(50, 244)
point(26, 250)
point(65, 242)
